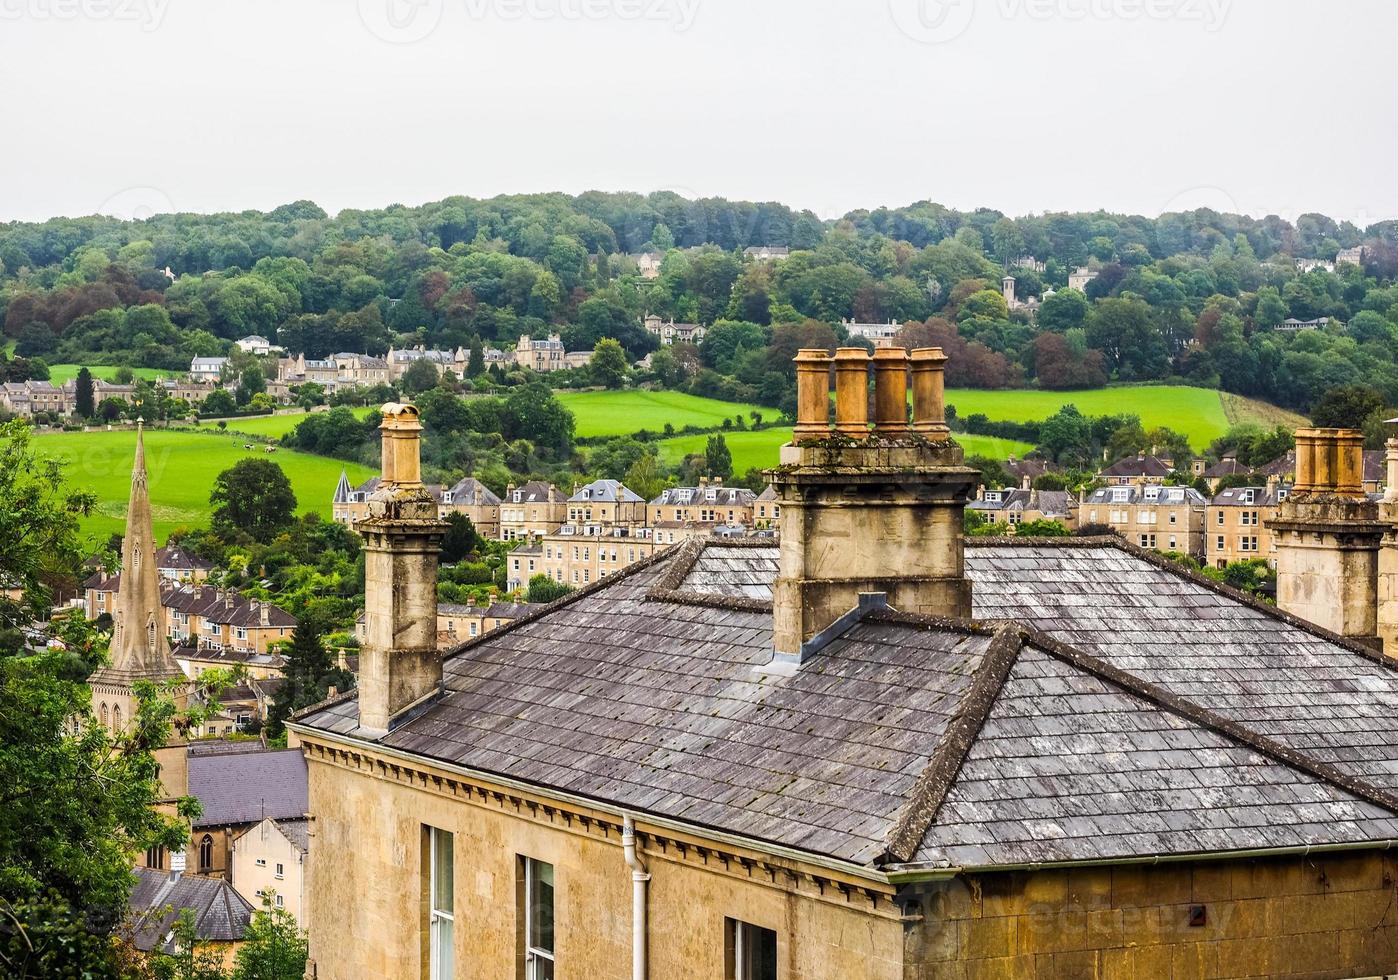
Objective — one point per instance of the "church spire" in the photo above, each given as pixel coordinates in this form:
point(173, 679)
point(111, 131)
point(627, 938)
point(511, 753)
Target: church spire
point(139, 649)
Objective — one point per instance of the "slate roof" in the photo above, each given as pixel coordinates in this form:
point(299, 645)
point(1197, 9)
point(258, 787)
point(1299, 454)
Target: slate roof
point(245, 787)
point(1140, 465)
point(220, 913)
point(1227, 466)
point(1053, 503)
point(606, 492)
point(1104, 705)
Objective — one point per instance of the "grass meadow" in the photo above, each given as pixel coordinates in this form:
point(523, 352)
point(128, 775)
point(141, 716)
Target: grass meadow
point(620, 413)
point(182, 466)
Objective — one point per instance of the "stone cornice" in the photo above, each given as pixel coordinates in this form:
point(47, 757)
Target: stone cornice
point(866, 890)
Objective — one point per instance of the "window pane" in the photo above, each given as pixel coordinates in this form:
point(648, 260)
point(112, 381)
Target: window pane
point(758, 953)
point(541, 905)
point(443, 966)
point(441, 870)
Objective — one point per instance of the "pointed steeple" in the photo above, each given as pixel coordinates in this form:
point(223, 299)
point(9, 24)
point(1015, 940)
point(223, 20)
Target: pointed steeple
point(342, 490)
point(139, 650)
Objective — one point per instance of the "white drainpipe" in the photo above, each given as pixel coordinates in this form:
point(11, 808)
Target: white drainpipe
point(639, 878)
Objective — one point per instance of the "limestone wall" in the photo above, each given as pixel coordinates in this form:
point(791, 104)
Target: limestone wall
point(1332, 915)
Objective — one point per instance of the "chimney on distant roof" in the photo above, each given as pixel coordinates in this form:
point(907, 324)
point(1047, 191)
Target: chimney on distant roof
point(868, 510)
point(399, 664)
point(1328, 536)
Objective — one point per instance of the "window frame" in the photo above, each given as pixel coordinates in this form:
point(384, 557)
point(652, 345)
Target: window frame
point(536, 956)
point(737, 935)
point(440, 920)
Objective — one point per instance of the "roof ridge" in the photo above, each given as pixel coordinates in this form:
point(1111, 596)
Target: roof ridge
point(1200, 715)
point(917, 814)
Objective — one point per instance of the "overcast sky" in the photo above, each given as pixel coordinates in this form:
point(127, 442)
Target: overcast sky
point(129, 106)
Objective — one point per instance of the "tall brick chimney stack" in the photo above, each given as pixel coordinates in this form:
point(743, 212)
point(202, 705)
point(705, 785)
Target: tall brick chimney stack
point(1388, 551)
point(868, 510)
point(1328, 535)
point(399, 665)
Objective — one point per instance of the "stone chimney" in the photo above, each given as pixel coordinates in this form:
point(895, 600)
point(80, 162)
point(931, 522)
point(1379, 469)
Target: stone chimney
point(868, 511)
point(1328, 535)
point(1388, 552)
point(399, 664)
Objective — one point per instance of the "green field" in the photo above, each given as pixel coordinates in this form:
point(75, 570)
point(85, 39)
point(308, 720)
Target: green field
point(59, 373)
point(619, 413)
point(272, 426)
point(1196, 412)
point(759, 449)
point(182, 467)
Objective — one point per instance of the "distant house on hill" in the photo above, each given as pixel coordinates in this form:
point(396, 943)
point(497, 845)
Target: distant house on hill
point(207, 368)
point(878, 334)
point(256, 344)
point(766, 253)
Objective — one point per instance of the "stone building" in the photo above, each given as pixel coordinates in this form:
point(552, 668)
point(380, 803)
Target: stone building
point(139, 651)
point(268, 860)
point(200, 618)
point(669, 332)
point(467, 496)
point(607, 502)
point(221, 916)
point(457, 622)
point(237, 790)
point(1150, 516)
point(1013, 507)
point(1237, 524)
point(1137, 471)
point(548, 355)
point(709, 503)
point(579, 554)
point(535, 508)
point(878, 334)
point(876, 750)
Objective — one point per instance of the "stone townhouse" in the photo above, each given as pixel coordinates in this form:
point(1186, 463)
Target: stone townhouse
point(208, 370)
point(1013, 507)
point(1150, 516)
point(1236, 524)
point(344, 369)
point(445, 361)
point(268, 860)
point(876, 750)
point(607, 502)
point(709, 503)
point(579, 554)
point(766, 511)
point(1137, 471)
point(457, 622)
point(535, 508)
point(200, 615)
point(467, 496)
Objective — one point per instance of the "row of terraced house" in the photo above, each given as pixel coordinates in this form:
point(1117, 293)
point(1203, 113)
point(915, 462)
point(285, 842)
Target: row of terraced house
point(597, 529)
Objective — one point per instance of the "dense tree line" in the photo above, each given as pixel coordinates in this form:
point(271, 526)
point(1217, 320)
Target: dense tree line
point(1194, 296)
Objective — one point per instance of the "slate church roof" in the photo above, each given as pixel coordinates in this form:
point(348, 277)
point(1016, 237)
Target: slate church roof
point(1103, 705)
